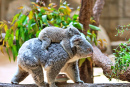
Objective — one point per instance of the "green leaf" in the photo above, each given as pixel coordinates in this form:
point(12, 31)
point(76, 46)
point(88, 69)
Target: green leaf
point(5, 28)
point(25, 20)
point(112, 67)
point(7, 35)
point(14, 18)
point(78, 25)
point(8, 53)
point(44, 19)
point(94, 27)
point(42, 10)
point(26, 35)
point(14, 51)
point(58, 21)
point(75, 17)
point(37, 33)
point(17, 34)
point(29, 24)
point(30, 15)
point(40, 14)
point(22, 33)
point(81, 61)
point(17, 45)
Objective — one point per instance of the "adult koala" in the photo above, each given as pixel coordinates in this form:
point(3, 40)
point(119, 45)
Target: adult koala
point(31, 58)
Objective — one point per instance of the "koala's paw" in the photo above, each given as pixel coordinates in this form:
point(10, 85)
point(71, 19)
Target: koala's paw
point(80, 81)
point(13, 82)
point(44, 85)
point(52, 85)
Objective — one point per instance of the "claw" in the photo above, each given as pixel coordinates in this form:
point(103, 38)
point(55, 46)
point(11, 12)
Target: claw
point(80, 81)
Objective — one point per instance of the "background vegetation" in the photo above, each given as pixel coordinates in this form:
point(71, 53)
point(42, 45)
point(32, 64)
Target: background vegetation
point(27, 24)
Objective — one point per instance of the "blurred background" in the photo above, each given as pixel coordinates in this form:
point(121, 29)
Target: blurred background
point(115, 12)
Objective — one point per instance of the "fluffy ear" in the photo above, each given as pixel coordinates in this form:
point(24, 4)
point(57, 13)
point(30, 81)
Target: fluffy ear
point(77, 40)
point(70, 31)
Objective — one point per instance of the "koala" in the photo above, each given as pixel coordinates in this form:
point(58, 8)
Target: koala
point(32, 59)
point(55, 34)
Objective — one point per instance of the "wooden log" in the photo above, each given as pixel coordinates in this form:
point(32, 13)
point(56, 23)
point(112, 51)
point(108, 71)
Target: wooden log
point(71, 85)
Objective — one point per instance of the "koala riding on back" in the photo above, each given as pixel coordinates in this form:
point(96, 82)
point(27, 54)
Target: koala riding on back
point(55, 34)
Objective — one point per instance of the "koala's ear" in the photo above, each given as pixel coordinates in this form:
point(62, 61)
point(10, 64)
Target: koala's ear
point(70, 31)
point(77, 40)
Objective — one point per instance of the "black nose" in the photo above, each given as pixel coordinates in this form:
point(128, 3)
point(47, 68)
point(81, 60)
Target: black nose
point(90, 49)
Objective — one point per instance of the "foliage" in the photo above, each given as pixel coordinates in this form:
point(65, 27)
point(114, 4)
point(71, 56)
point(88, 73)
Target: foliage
point(122, 54)
point(121, 29)
point(27, 24)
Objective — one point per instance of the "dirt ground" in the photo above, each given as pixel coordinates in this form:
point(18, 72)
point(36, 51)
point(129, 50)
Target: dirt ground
point(7, 70)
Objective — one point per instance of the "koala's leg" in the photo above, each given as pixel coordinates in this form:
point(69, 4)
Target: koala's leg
point(45, 42)
point(37, 74)
point(72, 72)
point(52, 72)
point(19, 75)
point(66, 45)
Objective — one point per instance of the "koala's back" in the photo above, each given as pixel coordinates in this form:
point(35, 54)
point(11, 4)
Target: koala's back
point(54, 33)
point(30, 55)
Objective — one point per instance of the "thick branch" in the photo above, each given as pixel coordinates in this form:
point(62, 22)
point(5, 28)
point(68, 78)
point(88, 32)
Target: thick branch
point(97, 9)
point(105, 63)
point(85, 14)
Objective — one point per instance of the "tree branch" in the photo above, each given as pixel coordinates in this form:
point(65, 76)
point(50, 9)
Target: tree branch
point(97, 9)
point(105, 63)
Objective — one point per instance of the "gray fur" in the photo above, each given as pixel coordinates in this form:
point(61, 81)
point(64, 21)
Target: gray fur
point(32, 58)
point(55, 34)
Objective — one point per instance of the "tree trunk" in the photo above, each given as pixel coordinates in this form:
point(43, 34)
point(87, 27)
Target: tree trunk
point(86, 70)
point(85, 14)
point(43, 2)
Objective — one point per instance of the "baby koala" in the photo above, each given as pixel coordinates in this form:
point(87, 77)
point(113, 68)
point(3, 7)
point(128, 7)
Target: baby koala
point(55, 34)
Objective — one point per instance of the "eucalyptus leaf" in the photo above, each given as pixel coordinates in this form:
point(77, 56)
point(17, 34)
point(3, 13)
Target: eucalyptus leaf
point(94, 27)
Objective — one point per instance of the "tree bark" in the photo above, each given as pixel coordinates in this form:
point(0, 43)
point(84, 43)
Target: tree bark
point(70, 85)
point(85, 14)
point(42, 2)
point(97, 9)
point(105, 63)
point(86, 70)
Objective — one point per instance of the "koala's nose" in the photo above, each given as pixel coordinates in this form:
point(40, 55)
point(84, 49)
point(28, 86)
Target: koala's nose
point(90, 50)
point(90, 54)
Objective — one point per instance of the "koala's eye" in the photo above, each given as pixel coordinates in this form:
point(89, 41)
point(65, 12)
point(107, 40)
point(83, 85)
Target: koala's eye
point(80, 42)
point(77, 33)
